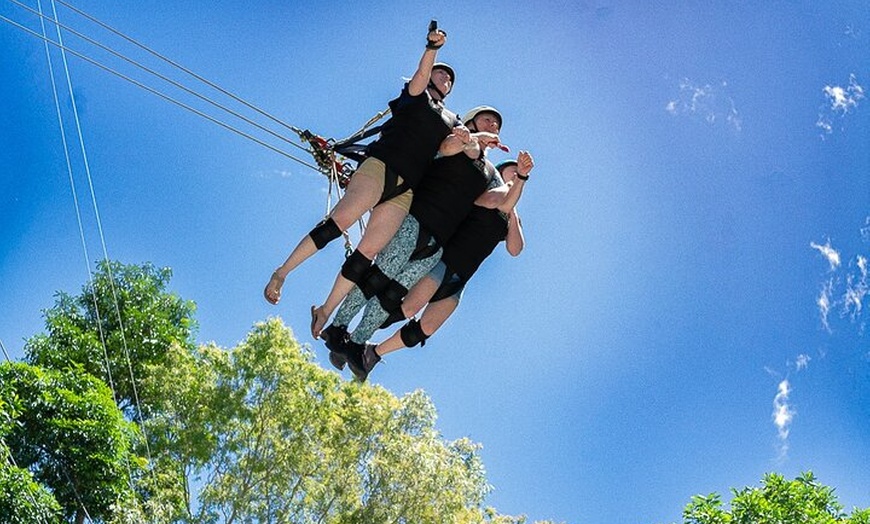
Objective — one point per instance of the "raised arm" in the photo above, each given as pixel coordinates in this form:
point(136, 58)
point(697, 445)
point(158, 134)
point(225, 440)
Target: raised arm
point(505, 198)
point(434, 40)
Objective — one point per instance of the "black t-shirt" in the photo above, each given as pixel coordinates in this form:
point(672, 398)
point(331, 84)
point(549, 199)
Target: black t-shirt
point(447, 193)
point(410, 138)
point(474, 240)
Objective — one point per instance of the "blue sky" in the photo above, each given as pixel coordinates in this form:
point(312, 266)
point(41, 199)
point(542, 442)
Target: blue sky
point(690, 309)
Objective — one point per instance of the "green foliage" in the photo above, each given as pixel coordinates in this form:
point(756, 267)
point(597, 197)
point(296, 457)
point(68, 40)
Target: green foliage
point(290, 442)
point(777, 501)
point(124, 316)
point(22, 500)
point(65, 428)
point(256, 433)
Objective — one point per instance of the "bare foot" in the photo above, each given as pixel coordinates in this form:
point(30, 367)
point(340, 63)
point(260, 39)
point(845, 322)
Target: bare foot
point(318, 320)
point(272, 293)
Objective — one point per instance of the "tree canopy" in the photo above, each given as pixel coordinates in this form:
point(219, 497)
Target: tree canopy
point(254, 433)
point(65, 429)
point(777, 501)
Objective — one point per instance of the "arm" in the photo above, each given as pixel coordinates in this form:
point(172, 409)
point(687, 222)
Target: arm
point(420, 80)
point(462, 140)
point(505, 198)
point(515, 241)
point(456, 141)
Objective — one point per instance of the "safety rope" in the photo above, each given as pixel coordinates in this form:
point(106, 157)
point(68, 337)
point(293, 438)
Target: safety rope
point(161, 95)
point(91, 281)
point(176, 65)
point(161, 76)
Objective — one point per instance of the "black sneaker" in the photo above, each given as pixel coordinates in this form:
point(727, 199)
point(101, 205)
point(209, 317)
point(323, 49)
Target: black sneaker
point(335, 338)
point(361, 358)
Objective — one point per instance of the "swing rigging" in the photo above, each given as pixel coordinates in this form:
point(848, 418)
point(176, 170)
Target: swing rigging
point(335, 159)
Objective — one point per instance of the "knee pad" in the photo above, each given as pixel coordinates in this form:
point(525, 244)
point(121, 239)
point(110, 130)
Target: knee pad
point(325, 232)
point(356, 267)
point(412, 334)
point(374, 282)
point(391, 296)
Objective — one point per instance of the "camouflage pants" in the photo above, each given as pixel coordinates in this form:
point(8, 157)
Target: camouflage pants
point(395, 262)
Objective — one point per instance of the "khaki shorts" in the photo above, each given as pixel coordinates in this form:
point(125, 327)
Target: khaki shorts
point(376, 170)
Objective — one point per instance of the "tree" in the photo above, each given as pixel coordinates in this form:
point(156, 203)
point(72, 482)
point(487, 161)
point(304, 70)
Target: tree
point(281, 439)
point(777, 501)
point(123, 317)
point(65, 428)
point(255, 433)
point(22, 499)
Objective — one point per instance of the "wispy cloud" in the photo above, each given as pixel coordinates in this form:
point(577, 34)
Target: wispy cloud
point(803, 360)
point(831, 254)
point(856, 289)
point(847, 290)
point(782, 415)
point(824, 303)
point(839, 101)
point(707, 102)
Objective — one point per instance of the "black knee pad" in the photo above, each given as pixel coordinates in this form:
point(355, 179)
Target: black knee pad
point(412, 334)
point(356, 267)
point(325, 232)
point(391, 296)
point(374, 282)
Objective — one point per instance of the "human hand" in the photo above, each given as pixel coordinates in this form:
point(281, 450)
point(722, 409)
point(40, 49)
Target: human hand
point(525, 163)
point(487, 140)
point(436, 37)
point(462, 133)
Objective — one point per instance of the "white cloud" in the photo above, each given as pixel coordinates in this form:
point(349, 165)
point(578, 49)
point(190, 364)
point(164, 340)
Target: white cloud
point(782, 415)
point(842, 99)
point(856, 289)
point(829, 253)
point(803, 360)
point(839, 101)
point(707, 102)
point(824, 303)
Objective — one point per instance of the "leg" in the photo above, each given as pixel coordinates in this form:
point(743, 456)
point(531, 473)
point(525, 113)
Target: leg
point(391, 261)
point(362, 194)
point(433, 318)
point(374, 315)
point(420, 294)
point(383, 225)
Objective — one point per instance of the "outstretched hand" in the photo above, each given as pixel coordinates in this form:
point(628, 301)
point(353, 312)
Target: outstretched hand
point(485, 139)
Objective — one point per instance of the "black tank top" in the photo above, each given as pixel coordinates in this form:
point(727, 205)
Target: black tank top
point(410, 138)
point(447, 193)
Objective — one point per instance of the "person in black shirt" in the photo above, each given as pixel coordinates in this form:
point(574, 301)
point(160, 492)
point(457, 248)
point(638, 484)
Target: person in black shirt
point(384, 181)
point(443, 200)
point(441, 290)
